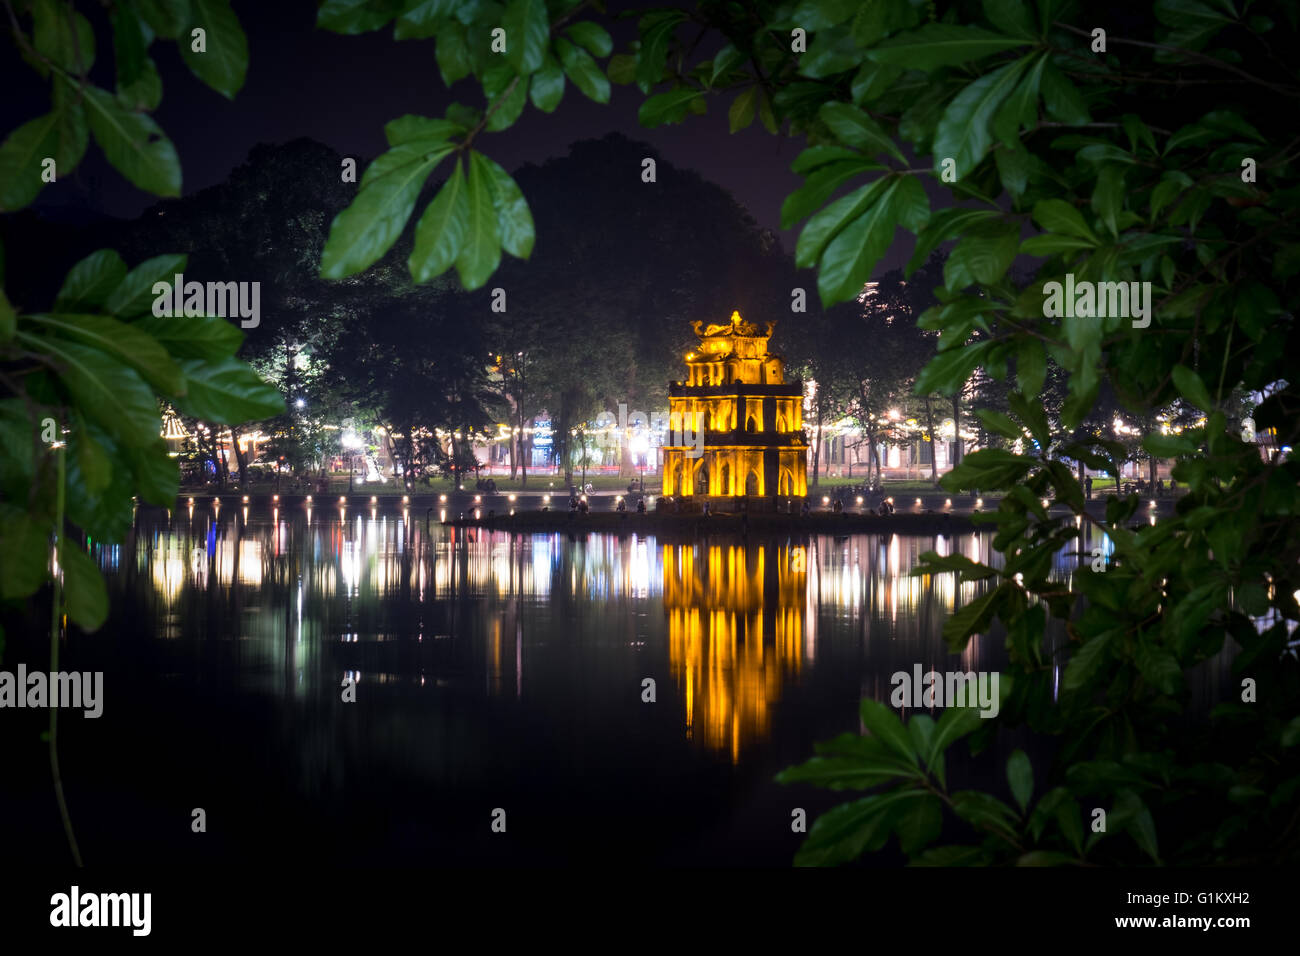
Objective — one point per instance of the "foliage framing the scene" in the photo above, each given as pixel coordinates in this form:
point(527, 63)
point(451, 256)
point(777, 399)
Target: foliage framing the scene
point(85, 380)
point(1124, 159)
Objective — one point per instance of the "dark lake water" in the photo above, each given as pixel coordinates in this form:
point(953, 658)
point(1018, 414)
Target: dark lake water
point(492, 671)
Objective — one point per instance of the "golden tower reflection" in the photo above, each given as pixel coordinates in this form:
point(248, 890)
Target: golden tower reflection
point(735, 633)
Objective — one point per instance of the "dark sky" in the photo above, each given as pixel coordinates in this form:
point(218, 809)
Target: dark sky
point(340, 90)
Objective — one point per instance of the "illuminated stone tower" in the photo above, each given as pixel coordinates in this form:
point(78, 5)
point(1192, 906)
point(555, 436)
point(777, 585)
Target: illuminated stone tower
point(750, 417)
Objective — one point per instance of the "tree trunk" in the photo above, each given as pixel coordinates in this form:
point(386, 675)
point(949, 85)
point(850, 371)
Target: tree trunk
point(929, 427)
point(241, 456)
point(817, 442)
point(956, 429)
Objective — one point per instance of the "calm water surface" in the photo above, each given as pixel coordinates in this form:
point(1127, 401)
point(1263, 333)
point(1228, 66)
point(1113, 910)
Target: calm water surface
point(492, 671)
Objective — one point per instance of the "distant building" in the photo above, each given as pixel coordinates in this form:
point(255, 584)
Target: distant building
point(749, 418)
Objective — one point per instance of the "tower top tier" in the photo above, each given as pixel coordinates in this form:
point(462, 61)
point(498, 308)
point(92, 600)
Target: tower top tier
point(737, 337)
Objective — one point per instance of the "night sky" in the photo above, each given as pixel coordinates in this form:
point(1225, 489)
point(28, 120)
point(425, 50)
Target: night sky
point(341, 90)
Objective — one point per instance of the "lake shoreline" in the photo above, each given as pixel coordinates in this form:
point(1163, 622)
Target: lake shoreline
point(655, 522)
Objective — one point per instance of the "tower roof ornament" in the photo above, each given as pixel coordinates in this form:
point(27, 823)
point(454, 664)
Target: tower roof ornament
point(737, 327)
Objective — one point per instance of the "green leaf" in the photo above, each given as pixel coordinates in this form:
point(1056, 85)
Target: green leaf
point(1020, 775)
point(669, 107)
point(622, 68)
point(1057, 215)
point(815, 156)
point(953, 856)
point(845, 773)
point(527, 33)
point(514, 221)
point(1108, 196)
point(354, 16)
point(24, 553)
point(878, 19)
point(921, 729)
point(206, 337)
point(481, 251)
point(1010, 16)
point(1191, 387)
point(948, 371)
point(63, 36)
point(741, 113)
point(956, 723)
point(133, 144)
point(227, 391)
point(441, 230)
point(825, 225)
point(128, 45)
point(873, 81)
point(971, 617)
point(849, 830)
point(583, 71)
point(454, 61)
point(592, 36)
point(156, 475)
point(130, 345)
point(765, 114)
point(985, 812)
point(1021, 108)
point(965, 130)
point(1049, 245)
point(728, 59)
point(224, 63)
point(411, 128)
point(145, 93)
point(1168, 446)
point(820, 14)
point(985, 257)
point(167, 18)
point(656, 34)
point(134, 294)
point(855, 128)
point(423, 19)
point(1086, 661)
point(884, 725)
point(91, 281)
point(21, 156)
point(920, 824)
point(1159, 668)
point(809, 197)
point(8, 318)
point(506, 94)
point(85, 596)
point(1131, 814)
point(1033, 415)
point(830, 54)
point(1061, 98)
point(912, 204)
point(1000, 423)
point(850, 257)
point(88, 450)
point(942, 44)
point(111, 394)
point(1014, 167)
point(73, 131)
point(367, 229)
point(943, 225)
point(547, 88)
